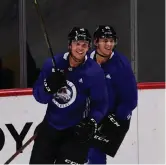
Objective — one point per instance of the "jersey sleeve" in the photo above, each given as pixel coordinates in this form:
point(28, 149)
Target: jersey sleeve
point(127, 92)
point(98, 97)
point(38, 89)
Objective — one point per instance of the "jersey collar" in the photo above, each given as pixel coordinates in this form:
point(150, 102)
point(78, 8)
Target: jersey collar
point(93, 55)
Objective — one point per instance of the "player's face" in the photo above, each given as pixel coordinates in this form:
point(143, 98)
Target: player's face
point(105, 46)
point(79, 49)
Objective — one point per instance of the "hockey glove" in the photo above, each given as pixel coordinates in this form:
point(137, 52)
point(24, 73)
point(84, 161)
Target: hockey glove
point(110, 134)
point(54, 82)
point(86, 129)
point(109, 123)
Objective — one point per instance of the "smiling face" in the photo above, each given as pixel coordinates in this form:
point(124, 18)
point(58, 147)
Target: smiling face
point(105, 46)
point(78, 49)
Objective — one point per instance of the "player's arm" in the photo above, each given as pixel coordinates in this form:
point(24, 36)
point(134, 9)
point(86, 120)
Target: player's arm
point(48, 82)
point(86, 129)
point(98, 96)
point(127, 92)
point(125, 88)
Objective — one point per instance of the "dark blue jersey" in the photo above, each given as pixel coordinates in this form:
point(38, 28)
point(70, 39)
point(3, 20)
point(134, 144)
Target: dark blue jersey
point(121, 84)
point(67, 106)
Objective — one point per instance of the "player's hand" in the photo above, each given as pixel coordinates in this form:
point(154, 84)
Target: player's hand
point(54, 82)
point(86, 129)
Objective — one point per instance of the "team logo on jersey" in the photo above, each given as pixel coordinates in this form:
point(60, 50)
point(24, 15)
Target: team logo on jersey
point(65, 95)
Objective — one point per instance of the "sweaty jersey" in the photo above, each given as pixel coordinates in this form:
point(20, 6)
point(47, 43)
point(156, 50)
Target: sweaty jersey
point(121, 85)
point(67, 107)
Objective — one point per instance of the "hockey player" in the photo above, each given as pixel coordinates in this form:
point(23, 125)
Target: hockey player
point(63, 136)
point(122, 90)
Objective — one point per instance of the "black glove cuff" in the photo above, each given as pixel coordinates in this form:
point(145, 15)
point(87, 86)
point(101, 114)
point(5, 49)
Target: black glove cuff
point(112, 118)
point(46, 87)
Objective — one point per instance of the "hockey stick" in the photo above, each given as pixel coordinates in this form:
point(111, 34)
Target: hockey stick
point(20, 150)
point(54, 64)
point(45, 31)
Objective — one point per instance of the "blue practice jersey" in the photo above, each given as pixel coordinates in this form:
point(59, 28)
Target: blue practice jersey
point(67, 106)
point(121, 85)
